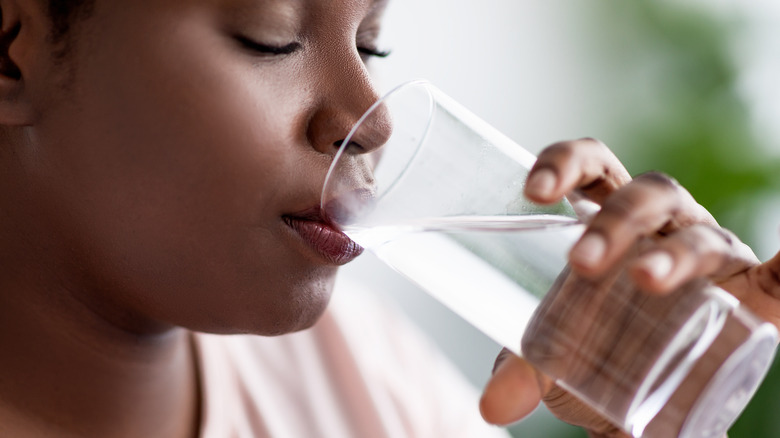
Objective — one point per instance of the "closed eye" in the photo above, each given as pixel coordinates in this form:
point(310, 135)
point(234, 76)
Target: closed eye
point(368, 51)
point(268, 49)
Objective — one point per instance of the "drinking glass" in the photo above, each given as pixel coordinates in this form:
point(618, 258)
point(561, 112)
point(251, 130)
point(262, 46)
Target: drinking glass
point(441, 203)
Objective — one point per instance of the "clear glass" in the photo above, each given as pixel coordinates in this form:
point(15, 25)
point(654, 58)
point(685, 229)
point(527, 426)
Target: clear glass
point(441, 202)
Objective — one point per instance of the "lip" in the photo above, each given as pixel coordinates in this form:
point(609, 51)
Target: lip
point(323, 237)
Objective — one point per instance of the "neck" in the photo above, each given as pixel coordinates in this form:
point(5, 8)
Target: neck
point(70, 372)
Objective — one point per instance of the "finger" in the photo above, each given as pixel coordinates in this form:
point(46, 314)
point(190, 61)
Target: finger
point(759, 289)
point(696, 251)
point(651, 203)
point(513, 391)
point(516, 389)
point(585, 164)
point(767, 277)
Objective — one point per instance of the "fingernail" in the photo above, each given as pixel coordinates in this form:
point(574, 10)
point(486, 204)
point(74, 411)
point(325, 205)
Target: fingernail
point(541, 184)
point(657, 264)
point(589, 251)
point(501, 359)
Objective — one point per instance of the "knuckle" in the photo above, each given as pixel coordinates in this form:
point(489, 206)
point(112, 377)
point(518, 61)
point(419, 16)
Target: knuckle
point(626, 209)
point(702, 240)
point(568, 408)
point(659, 179)
point(671, 199)
point(568, 147)
point(767, 279)
point(557, 150)
point(619, 206)
point(594, 142)
point(725, 243)
point(693, 240)
point(557, 399)
point(725, 236)
point(716, 252)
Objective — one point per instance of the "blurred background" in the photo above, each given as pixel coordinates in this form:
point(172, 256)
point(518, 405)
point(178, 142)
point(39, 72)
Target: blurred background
point(687, 88)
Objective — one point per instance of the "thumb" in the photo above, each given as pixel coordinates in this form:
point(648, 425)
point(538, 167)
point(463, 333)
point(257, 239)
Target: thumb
point(513, 391)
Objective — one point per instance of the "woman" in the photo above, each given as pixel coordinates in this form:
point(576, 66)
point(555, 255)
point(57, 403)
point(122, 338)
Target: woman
point(161, 168)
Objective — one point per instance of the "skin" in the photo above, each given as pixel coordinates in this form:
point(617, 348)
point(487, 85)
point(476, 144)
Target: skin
point(688, 243)
point(144, 180)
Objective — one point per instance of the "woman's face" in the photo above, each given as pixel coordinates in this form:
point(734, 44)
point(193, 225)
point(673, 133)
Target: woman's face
point(181, 154)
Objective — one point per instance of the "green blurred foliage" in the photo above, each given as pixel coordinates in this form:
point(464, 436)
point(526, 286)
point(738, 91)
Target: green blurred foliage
point(682, 113)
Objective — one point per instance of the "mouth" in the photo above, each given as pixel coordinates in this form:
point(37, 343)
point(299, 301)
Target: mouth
point(323, 237)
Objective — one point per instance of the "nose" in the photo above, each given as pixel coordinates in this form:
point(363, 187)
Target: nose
point(340, 109)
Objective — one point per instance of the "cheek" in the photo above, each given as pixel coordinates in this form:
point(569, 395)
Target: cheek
point(176, 180)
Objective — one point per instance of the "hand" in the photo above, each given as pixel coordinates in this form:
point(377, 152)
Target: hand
point(687, 243)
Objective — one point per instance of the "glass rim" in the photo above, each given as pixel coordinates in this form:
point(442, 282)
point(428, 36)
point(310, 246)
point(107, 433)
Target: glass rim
point(413, 83)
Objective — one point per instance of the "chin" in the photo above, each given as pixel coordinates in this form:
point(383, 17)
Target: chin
point(286, 310)
point(307, 307)
point(297, 318)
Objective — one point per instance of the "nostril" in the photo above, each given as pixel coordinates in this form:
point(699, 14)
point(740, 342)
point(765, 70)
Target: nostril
point(352, 147)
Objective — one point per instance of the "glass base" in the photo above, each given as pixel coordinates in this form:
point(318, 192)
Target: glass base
point(732, 386)
point(721, 383)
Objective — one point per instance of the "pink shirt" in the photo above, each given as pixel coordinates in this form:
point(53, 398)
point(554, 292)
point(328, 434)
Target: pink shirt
point(361, 372)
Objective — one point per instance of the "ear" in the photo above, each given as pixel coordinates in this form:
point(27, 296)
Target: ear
point(16, 18)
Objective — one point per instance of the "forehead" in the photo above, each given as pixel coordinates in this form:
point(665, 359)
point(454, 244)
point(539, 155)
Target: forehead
point(273, 21)
point(309, 18)
point(294, 8)
point(271, 13)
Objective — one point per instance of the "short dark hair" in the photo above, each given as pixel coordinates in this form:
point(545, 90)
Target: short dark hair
point(63, 13)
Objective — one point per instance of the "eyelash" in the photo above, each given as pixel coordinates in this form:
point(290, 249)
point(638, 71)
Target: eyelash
point(293, 47)
point(367, 51)
point(268, 49)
